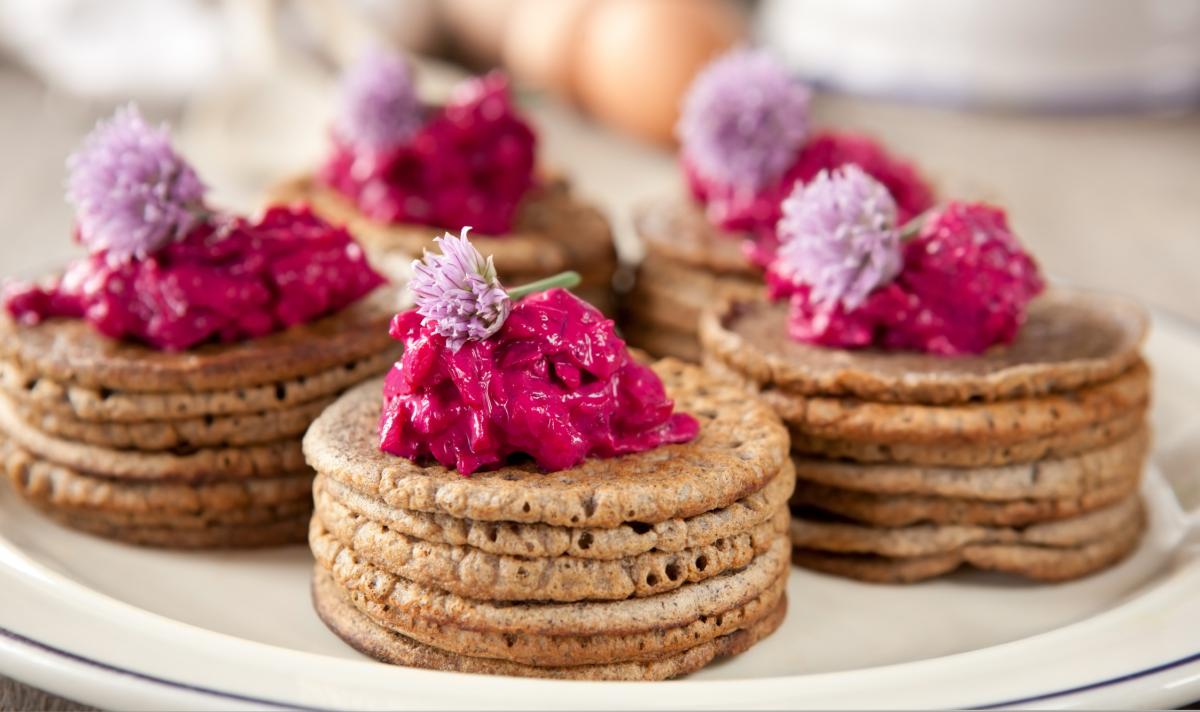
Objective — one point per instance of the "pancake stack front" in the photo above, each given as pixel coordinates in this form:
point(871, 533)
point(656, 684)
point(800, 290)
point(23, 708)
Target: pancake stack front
point(555, 231)
point(1025, 460)
point(641, 567)
point(193, 449)
point(688, 263)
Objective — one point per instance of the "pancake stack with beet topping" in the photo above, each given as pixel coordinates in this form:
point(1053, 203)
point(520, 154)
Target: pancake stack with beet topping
point(156, 391)
point(398, 167)
point(746, 140)
point(945, 409)
point(521, 497)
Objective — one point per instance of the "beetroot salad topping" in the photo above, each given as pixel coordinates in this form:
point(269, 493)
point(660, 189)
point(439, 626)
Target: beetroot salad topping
point(964, 286)
point(228, 279)
point(554, 383)
point(469, 162)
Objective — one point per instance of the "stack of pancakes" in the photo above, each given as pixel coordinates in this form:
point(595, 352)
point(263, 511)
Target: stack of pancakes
point(640, 567)
point(555, 231)
point(193, 449)
point(688, 263)
point(1026, 459)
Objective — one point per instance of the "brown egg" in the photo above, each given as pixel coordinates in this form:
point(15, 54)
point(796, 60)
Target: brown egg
point(637, 57)
point(542, 39)
point(477, 26)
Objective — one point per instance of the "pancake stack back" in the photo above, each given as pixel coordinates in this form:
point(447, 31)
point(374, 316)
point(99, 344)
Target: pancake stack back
point(646, 566)
point(191, 449)
point(687, 264)
point(1025, 460)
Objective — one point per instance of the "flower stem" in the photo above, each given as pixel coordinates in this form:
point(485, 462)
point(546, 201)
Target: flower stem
point(910, 229)
point(567, 280)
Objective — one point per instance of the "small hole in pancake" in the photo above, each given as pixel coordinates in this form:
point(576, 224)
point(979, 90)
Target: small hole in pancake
point(351, 366)
point(585, 541)
point(510, 639)
point(651, 580)
point(491, 532)
point(209, 419)
point(525, 508)
point(105, 393)
point(673, 571)
point(720, 544)
point(701, 562)
point(640, 528)
point(280, 391)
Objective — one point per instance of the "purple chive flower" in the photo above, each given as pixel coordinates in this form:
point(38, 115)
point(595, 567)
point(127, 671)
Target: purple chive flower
point(380, 108)
point(838, 236)
point(132, 193)
point(458, 291)
point(744, 119)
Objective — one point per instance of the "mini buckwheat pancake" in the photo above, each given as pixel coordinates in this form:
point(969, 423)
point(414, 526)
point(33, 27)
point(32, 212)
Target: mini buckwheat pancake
point(741, 446)
point(1044, 479)
point(105, 405)
point(211, 536)
point(554, 232)
point(357, 629)
point(844, 536)
point(1032, 560)
point(71, 351)
point(661, 341)
point(679, 232)
point(1070, 339)
point(543, 540)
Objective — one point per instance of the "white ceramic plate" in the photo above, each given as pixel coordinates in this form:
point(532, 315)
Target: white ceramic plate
point(122, 627)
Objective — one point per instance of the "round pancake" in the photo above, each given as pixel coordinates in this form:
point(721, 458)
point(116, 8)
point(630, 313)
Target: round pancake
point(1040, 563)
point(589, 631)
point(104, 405)
point(1071, 339)
point(53, 486)
point(893, 510)
point(929, 539)
point(679, 231)
point(995, 423)
point(472, 573)
point(366, 636)
point(1043, 479)
point(290, 530)
point(674, 294)
point(266, 460)
point(544, 540)
point(660, 341)
point(980, 454)
point(740, 447)
point(71, 351)
point(206, 431)
point(554, 230)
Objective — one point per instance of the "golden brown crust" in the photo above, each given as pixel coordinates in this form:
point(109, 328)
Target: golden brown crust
point(1071, 339)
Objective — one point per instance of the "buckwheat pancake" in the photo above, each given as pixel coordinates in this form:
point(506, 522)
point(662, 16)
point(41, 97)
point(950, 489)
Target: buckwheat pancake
point(554, 231)
point(815, 530)
point(979, 454)
point(895, 510)
point(680, 232)
point(544, 540)
point(741, 446)
point(1069, 476)
point(1071, 339)
point(353, 626)
point(660, 341)
point(1034, 561)
point(105, 405)
point(202, 432)
point(71, 351)
point(264, 460)
point(560, 633)
point(212, 536)
point(472, 573)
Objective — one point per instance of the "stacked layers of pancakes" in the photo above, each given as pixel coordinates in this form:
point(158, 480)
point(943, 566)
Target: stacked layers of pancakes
point(646, 566)
point(1026, 459)
point(193, 449)
point(555, 231)
point(688, 263)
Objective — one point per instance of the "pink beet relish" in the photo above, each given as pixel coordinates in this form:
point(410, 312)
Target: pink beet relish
point(758, 212)
point(228, 279)
point(470, 163)
point(965, 286)
point(555, 383)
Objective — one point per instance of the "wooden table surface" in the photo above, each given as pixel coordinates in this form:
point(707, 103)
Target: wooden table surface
point(1103, 201)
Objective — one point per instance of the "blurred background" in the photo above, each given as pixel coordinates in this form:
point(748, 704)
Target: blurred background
point(1079, 116)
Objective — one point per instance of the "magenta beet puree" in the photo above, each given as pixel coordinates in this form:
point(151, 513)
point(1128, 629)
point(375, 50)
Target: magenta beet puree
point(554, 383)
point(228, 279)
point(470, 163)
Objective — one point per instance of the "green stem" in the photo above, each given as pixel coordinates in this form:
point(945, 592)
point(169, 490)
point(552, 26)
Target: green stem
point(910, 229)
point(566, 280)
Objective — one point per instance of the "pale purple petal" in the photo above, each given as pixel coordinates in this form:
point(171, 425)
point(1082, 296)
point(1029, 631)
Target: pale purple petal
point(458, 291)
point(744, 119)
point(132, 193)
point(838, 236)
point(380, 107)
